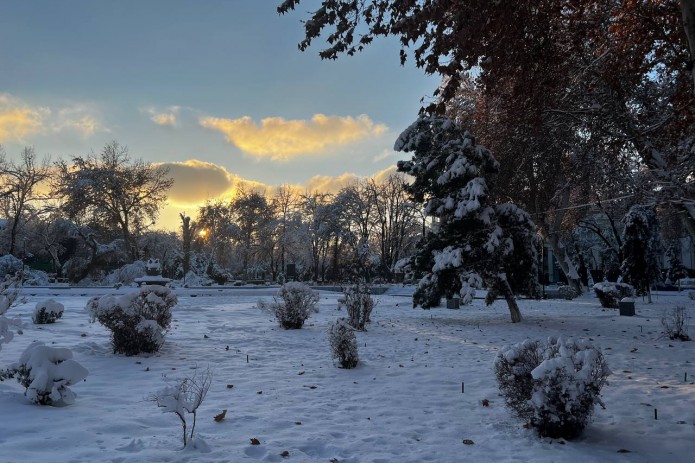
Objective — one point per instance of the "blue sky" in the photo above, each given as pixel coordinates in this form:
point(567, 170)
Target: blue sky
point(217, 81)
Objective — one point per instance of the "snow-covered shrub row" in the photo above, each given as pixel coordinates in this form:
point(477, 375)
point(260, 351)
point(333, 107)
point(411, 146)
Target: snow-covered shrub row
point(137, 320)
point(46, 372)
point(47, 311)
point(293, 304)
point(675, 323)
point(359, 304)
point(609, 294)
point(343, 343)
point(567, 292)
point(553, 385)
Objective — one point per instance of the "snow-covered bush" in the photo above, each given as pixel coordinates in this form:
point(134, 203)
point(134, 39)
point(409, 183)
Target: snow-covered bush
point(47, 311)
point(293, 304)
point(9, 265)
point(34, 277)
point(691, 295)
point(46, 372)
point(359, 304)
point(343, 343)
point(553, 385)
point(137, 320)
point(675, 323)
point(567, 292)
point(126, 274)
point(195, 279)
point(609, 294)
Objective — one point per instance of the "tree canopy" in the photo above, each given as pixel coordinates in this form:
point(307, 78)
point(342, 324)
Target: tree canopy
point(112, 189)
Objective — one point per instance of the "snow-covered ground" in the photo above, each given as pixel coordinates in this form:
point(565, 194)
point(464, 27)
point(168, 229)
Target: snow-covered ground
point(404, 402)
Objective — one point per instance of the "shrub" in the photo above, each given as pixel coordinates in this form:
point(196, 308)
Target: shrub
point(137, 320)
point(567, 292)
point(46, 372)
point(675, 323)
point(691, 295)
point(185, 396)
point(609, 294)
point(359, 304)
point(47, 311)
point(343, 343)
point(293, 304)
point(553, 385)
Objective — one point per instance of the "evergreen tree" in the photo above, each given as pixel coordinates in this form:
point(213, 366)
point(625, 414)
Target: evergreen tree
point(473, 240)
point(676, 270)
point(641, 245)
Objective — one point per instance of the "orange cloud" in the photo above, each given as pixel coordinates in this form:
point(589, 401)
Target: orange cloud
point(280, 139)
point(17, 121)
point(197, 181)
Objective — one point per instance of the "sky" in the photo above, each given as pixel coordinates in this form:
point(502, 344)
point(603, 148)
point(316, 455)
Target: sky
point(216, 90)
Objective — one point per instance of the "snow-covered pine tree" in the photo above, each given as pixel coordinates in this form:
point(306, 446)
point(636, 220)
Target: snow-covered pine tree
point(473, 241)
point(641, 245)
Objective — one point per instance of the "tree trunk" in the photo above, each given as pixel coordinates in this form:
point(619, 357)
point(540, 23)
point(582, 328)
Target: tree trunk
point(688, 12)
point(564, 262)
point(511, 302)
point(13, 235)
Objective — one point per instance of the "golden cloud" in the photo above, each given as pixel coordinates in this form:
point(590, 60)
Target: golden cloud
point(281, 139)
point(197, 181)
point(164, 119)
point(333, 184)
point(17, 121)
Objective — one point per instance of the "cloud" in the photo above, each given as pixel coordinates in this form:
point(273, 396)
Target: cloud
point(164, 119)
point(333, 184)
point(17, 120)
point(78, 118)
point(167, 118)
point(197, 181)
point(385, 154)
point(280, 139)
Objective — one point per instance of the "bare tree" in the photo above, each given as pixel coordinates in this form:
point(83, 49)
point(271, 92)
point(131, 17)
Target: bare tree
point(19, 189)
point(112, 190)
point(285, 202)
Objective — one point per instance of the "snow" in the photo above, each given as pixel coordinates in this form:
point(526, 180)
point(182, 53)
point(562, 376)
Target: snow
point(403, 402)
